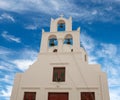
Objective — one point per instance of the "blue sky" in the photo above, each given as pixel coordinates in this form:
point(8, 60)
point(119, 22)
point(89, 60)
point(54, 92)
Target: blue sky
point(21, 22)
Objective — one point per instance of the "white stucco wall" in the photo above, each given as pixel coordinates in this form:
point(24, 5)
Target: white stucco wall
point(80, 76)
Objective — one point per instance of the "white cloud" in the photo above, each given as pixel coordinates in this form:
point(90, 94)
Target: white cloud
point(23, 64)
point(114, 82)
point(114, 71)
point(92, 59)
point(107, 50)
point(55, 7)
point(3, 51)
point(31, 27)
point(7, 92)
point(10, 37)
point(25, 58)
point(5, 5)
point(3, 68)
point(109, 8)
point(90, 46)
point(4, 55)
point(115, 93)
point(7, 79)
point(6, 16)
point(10, 63)
point(28, 54)
point(34, 5)
point(87, 42)
point(94, 12)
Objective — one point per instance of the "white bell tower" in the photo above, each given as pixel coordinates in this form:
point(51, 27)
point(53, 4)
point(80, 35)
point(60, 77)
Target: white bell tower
point(61, 38)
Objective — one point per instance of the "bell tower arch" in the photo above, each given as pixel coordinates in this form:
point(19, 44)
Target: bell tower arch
point(61, 23)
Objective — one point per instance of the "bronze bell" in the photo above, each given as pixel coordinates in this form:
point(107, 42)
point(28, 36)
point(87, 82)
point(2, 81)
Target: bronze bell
point(61, 25)
point(68, 41)
point(52, 44)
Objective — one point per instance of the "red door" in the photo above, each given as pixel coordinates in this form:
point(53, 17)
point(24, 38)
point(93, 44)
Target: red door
point(29, 95)
point(87, 96)
point(57, 96)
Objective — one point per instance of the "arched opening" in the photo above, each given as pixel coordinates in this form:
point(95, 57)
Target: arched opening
point(52, 41)
point(55, 50)
point(71, 50)
point(68, 39)
point(61, 25)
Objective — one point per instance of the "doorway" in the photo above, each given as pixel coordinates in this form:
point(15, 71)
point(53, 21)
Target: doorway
point(57, 96)
point(87, 96)
point(29, 96)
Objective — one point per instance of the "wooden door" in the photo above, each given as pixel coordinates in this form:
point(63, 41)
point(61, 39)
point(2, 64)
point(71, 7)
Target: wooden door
point(29, 95)
point(57, 96)
point(87, 96)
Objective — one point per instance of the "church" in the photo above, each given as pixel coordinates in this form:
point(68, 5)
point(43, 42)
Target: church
point(61, 71)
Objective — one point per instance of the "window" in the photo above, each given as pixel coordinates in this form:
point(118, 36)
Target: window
point(52, 41)
point(55, 50)
point(29, 95)
point(58, 74)
point(68, 39)
point(87, 96)
point(61, 25)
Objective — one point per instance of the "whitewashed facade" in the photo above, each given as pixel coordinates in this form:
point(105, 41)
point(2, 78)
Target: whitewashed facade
point(61, 71)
